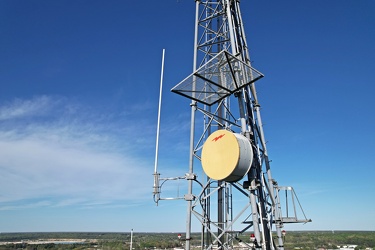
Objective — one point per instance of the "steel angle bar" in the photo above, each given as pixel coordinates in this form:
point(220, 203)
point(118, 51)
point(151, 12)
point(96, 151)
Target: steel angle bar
point(303, 212)
point(265, 184)
point(240, 189)
point(234, 220)
point(247, 227)
point(212, 115)
point(204, 188)
point(207, 225)
point(232, 71)
point(213, 191)
point(221, 104)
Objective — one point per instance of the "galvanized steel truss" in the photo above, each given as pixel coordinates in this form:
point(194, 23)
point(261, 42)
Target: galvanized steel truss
point(222, 90)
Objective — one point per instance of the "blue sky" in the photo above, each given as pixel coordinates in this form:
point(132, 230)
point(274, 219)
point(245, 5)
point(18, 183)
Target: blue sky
point(79, 85)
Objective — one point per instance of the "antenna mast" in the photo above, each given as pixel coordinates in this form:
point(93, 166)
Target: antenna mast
point(156, 187)
point(238, 194)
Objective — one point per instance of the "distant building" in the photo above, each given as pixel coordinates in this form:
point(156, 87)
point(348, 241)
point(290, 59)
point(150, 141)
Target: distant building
point(348, 247)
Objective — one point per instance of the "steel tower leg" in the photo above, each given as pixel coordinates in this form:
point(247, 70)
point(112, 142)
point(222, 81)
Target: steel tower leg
point(189, 197)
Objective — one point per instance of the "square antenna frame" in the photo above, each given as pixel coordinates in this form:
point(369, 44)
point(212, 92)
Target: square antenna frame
point(220, 77)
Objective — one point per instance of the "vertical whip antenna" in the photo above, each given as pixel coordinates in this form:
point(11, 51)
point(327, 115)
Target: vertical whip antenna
point(156, 187)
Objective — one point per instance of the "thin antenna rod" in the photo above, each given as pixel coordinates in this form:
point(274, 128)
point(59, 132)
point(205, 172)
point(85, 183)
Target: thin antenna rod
point(159, 111)
point(131, 239)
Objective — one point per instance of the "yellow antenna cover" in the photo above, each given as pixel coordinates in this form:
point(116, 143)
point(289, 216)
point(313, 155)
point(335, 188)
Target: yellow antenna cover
point(226, 156)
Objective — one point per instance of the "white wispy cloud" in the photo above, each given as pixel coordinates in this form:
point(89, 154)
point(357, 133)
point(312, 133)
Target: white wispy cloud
point(73, 159)
point(24, 108)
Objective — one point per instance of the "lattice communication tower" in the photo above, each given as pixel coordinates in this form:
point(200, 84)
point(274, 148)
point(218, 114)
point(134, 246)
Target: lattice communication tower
point(238, 195)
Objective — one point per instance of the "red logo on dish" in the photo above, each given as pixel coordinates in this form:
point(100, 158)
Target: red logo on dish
point(218, 137)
